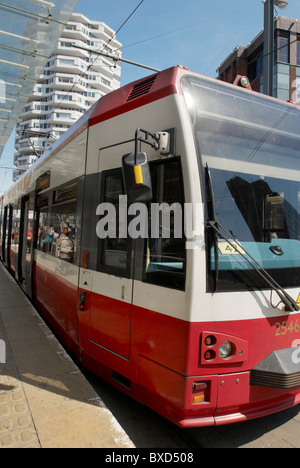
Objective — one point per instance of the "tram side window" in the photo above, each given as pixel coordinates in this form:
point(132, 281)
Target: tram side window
point(164, 257)
point(15, 231)
point(57, 225)
point(43, 209)
point(4, 231)
point(29, 230)
point(1, 221)
point(113, 247)
point(62, 231)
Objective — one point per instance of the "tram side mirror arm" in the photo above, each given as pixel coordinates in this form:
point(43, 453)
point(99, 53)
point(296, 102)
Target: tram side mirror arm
point(137, 178)
point(136, 171)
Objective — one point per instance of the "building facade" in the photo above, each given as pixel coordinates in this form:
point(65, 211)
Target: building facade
point(249, 61)
point(72, 81)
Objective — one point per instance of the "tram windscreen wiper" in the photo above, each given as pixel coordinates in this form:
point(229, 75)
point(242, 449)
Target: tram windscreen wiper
point(219, 230)
point(288, 301)
point(211, 215)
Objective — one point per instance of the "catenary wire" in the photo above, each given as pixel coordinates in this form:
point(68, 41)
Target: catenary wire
point(188, 26)
point(97, 52)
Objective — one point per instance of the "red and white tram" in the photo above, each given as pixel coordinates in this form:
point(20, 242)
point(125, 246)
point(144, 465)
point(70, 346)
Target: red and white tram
point(202, 328)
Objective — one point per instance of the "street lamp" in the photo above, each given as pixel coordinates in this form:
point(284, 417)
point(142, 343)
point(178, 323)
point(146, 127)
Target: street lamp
point(281, 3)
point(269, 42)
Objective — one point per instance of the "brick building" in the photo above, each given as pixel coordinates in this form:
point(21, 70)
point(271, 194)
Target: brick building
point(249, 61)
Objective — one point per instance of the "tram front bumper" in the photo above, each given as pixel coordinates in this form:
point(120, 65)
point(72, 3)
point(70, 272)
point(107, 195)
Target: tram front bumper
point(280, 369)
point(272, 386)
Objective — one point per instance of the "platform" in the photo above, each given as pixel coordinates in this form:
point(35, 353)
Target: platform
point(45, 401)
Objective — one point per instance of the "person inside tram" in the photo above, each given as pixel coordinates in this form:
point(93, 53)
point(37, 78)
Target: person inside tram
point(29, 238)
point(47, 239)
point(66, 244)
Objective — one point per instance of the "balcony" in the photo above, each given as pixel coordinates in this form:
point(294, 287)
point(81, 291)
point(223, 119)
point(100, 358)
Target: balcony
point(33, 111)
point(75, 32)
point(63, 82)
point(24, 162)
point(64, 117)
point(65, 65)
point(24, 151)
point(27, 145)
point(65, 48)
point(31, 124)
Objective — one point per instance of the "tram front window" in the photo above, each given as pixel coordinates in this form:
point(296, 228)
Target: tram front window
point(251, 147)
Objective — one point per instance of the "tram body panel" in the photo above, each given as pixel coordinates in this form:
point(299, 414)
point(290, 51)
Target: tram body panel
point(56, 289)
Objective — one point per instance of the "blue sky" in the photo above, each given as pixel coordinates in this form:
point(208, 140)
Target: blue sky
point(198, 34)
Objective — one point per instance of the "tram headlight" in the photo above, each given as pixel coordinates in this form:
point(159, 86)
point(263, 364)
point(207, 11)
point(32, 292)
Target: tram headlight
point(225, 350)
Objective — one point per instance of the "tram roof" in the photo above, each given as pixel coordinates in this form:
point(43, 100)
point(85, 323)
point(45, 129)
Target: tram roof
point(136, 94)
point(122, 100)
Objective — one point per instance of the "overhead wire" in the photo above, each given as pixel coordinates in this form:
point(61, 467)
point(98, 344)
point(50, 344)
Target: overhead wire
point(4, 172)
point(191, 25)
point(228, 44)
point(98, 52)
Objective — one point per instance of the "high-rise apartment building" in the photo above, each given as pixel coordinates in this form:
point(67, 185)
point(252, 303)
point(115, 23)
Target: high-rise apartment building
point(72, 81)
point(249, 61)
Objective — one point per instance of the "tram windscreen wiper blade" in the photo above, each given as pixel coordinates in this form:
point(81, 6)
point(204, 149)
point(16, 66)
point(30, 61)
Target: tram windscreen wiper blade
point(290, 304)
point(211, 215)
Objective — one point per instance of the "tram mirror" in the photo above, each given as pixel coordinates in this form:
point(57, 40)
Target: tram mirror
point(137, 179)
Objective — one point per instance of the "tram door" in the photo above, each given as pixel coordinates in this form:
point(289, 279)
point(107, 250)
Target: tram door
point(112, 283)
point(8, 239)
point(25, 258)
point(4, 234)
point(125, 264)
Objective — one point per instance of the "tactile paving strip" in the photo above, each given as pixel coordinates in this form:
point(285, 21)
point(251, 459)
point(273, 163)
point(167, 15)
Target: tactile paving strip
point(16, 426)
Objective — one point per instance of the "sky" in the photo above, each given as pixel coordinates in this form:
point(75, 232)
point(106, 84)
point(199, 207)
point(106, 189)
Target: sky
point(198, 34)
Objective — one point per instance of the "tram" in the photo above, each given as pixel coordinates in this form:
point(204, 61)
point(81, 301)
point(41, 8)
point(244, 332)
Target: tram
point(197, 318)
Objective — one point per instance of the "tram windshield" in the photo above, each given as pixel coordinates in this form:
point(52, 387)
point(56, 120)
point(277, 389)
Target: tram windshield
point(251, 147)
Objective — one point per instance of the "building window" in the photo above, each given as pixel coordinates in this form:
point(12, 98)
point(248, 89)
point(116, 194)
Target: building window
point(104, 81)
point(282, 82)
point(298, 50)
point(282, 49)
point(66, 44)
point(283, 94)
point(66, 62)
point(255, 69)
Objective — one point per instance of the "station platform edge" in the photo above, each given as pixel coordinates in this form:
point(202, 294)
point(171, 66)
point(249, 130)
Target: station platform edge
point(45, 400)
